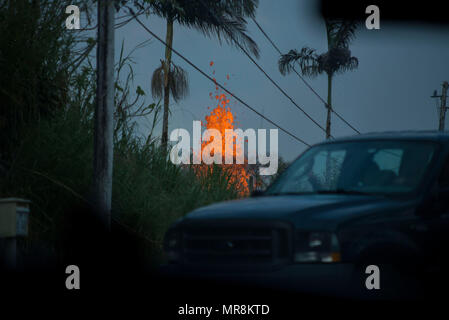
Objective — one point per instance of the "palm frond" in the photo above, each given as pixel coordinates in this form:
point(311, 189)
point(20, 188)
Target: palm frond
point(222, 19)
point(178, 83)
point(341, 32)
point(234, 31)
point(307, 59)
point(337, 60)
point(312, 70)
point(351, 64)
point(157, 82)
point(286, 60)
point(346, 33)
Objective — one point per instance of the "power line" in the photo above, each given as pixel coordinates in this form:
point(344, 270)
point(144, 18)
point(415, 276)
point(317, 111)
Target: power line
point(305, 82)
point(277, 86)
point(266, 75)
point(214, 81)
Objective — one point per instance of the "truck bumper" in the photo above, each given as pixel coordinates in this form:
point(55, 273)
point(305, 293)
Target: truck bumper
point(333, 279)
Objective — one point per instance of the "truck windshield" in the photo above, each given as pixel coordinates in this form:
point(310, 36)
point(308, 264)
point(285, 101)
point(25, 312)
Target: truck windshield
point(368, 167)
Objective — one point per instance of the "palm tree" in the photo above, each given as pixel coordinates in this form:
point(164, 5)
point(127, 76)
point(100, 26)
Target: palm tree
point(336, 60)
point(223, 19)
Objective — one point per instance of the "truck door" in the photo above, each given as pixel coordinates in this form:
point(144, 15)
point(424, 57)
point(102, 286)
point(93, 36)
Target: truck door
point(443, 222)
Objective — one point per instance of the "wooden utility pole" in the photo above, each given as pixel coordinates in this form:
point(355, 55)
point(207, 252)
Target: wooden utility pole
point(104, 111)
point(443, 106)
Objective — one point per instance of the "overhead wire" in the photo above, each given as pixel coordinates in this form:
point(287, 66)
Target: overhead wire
point(215, 81)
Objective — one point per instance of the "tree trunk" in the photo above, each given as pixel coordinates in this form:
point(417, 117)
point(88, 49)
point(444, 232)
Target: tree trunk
point(328, 130)
point(104, 112)
point(329, 106)
point(328, 177)
point(167, 63)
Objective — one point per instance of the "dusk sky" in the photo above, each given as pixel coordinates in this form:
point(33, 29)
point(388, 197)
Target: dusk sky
point(399, 68)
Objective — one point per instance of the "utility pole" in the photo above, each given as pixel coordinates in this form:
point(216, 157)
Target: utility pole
point(443, 107)
point(104, 111)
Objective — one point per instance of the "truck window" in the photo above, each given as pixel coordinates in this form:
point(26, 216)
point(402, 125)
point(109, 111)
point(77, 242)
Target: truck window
point(372, 167)
point(335, 158)
point(389, 159)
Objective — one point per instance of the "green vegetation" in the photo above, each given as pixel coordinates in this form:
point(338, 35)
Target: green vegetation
point(46, 155)
point(35, 55)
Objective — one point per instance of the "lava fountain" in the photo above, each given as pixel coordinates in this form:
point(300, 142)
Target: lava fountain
point(221, 118)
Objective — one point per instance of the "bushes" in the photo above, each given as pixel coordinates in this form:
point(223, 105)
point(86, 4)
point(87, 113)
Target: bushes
point(35, 51)
point(46, 134)
point(53, 168)
point(149, 192)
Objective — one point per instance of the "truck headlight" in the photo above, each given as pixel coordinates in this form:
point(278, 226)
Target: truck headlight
point(316, 247)
point(172, 244)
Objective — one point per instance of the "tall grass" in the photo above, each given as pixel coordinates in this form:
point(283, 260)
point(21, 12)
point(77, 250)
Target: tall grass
point(36, 53)
point(53, 168)
point(149, 192)
point(46, 135)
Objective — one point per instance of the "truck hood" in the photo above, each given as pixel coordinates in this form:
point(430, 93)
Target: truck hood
point(304, 211)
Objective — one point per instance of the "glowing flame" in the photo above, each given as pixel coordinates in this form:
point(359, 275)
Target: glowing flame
point(221, 118)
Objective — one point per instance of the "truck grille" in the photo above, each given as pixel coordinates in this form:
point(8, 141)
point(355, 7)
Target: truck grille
point(228, 244)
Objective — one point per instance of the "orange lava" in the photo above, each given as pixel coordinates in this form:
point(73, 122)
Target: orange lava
point(221, 118)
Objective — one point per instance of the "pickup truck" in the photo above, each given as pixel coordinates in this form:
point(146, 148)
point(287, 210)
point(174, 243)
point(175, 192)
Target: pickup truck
point(373, 199)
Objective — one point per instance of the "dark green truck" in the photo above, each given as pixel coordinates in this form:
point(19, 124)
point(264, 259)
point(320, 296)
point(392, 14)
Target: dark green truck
point(344, 204)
